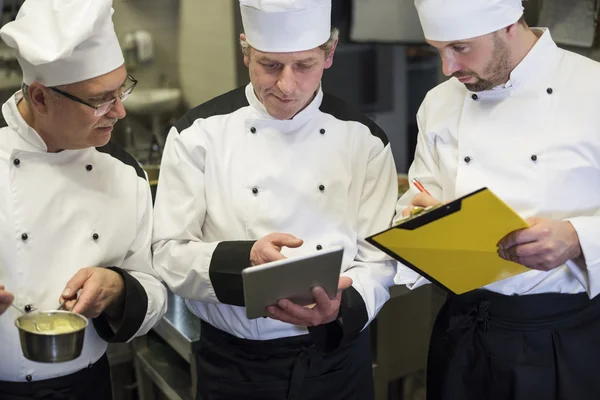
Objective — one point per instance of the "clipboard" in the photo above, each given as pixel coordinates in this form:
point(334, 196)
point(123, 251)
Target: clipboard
point(454, 245)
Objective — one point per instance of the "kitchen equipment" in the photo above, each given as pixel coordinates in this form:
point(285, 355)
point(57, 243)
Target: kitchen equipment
point(51, 336)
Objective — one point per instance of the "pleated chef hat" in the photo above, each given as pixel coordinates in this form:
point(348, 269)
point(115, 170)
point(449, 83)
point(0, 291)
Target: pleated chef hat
point(452, 20)
point(58, 42)
point(284, 26)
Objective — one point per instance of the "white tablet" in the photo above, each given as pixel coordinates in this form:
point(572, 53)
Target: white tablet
point(292, 278)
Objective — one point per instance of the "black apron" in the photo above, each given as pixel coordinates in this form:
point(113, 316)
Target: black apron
point(291, 368)
point(92, 383)
point(487, 346)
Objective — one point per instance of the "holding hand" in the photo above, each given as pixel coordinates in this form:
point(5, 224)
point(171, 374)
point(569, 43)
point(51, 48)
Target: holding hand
point(6, 299)
point(420, 200)
point(102, 290)
point(269, 247)
point(323, 312)
point(546, 245)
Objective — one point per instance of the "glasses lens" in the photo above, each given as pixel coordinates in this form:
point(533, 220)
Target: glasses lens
point(130, 85)
point(104, 108)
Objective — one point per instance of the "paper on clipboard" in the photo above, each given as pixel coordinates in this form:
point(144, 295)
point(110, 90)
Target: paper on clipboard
point(455, 245)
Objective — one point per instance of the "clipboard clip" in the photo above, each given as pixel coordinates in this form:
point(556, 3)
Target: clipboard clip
point(429, 214)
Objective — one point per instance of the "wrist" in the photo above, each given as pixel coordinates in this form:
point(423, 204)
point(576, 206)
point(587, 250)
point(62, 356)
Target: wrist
point(116, 308)
point(576, 250)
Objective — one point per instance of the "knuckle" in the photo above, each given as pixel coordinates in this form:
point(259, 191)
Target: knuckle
point(548, 248)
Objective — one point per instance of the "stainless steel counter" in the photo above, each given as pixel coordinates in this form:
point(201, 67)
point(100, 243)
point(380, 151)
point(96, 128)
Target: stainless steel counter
point(164, 359)
point(179, 327)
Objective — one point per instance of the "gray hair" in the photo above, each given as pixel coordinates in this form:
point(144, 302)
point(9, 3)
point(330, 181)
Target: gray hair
point(327, 47)
point(25, 91)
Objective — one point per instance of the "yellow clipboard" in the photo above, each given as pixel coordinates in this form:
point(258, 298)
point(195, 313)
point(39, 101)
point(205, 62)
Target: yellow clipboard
point(455, 245)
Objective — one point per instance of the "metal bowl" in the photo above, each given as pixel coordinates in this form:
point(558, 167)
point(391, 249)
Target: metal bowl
point(51, 336)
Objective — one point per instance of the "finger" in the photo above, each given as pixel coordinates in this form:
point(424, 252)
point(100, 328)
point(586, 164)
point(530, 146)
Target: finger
point(297, 311)
point(517, 237)
point(534, 263)
point(285, 239)
point(280, 315)
point(344, 283)
point(87, 302)
point(270, 254)
point(321, 297)
point(68, 305)
point(76, 283)
point(525, 250)
point(6, 298)
point(424, 200)
point(407, 210)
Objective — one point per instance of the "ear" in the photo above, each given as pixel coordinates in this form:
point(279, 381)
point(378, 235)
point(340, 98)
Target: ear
point(329, 60)
point(39, 97)
point(511, 30)
point(246, 58)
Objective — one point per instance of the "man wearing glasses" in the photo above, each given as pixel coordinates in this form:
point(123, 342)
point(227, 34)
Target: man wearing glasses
point(75, 210)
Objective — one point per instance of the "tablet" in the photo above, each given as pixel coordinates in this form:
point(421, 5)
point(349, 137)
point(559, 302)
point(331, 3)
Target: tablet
point(291, 278)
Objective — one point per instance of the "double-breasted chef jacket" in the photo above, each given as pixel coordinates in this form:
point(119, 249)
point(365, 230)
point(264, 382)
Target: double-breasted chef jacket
point(232, 174)
point(60, 212)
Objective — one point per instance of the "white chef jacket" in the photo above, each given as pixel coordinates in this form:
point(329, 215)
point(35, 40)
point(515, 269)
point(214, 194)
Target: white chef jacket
point(230, 172)
point(535, 142)
point(60, 212)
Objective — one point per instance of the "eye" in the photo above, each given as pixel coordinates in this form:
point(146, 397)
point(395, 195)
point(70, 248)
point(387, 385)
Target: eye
point(270, 65)
point(304, 66)
point(459, 49)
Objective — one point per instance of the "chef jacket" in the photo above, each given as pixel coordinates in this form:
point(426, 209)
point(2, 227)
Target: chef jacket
point(232, 174)
point(535, 142)
point(60, 212)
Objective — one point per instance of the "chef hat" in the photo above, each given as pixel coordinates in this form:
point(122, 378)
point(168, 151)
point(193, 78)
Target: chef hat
point(284, 26)
point(450, 20)
point(58, 42)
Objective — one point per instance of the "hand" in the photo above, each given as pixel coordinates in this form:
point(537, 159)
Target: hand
point(546, 245)
point(420, 200)
point(324, 311)
point(268, 248)
point(102, 290)
point(6, 299)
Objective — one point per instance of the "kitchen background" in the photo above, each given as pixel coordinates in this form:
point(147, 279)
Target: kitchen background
point(184, 52)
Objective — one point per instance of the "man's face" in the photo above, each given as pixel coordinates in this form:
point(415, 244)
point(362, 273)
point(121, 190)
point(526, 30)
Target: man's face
point(286, 82)
point(75, 126)
point(480, 64)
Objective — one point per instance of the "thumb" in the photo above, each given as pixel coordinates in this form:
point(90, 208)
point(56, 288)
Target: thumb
point(533, 221)
point(76, 283)
point(287, 240)
point(344, 283)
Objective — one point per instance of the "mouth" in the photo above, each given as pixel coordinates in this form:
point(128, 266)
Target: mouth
point(284, 101)
point(105, 129)
point(464, 79)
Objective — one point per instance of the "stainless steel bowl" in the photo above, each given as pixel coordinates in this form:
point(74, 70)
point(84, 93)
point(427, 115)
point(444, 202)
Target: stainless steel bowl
point(51, 336)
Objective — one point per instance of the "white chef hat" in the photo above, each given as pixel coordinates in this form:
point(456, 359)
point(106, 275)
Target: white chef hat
point(450, 20)
point(284, 26)
point(58, 42)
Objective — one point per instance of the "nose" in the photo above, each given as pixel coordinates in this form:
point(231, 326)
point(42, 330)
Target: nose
point(449, 65)
point(117, 111)
point(287, 81)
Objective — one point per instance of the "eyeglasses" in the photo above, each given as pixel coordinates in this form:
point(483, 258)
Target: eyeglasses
point(104, 108)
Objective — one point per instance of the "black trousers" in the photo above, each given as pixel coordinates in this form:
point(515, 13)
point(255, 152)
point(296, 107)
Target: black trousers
point(292, 368)
point(487, 346)
point(92, 383)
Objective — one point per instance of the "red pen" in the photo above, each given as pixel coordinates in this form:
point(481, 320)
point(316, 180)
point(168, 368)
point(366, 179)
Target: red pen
point(419, 186)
